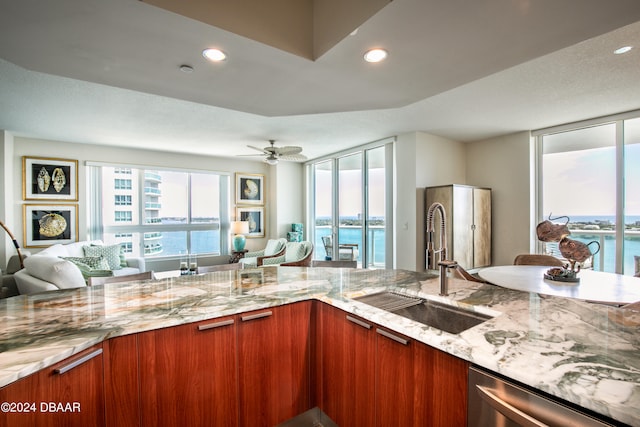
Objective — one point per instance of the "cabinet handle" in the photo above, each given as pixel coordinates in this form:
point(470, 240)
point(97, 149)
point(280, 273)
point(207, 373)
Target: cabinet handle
point(256, 316)
point(358, 322)
point(77, 362)
point(393, 337)
point(215, 325)
point(511, 412)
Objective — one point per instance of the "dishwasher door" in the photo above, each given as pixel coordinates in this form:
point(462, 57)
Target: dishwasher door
point(497, 403)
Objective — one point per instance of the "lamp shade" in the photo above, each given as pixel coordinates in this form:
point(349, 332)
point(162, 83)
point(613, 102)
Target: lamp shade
point(240, 227)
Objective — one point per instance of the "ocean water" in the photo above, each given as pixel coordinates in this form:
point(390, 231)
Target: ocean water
point(354, 235)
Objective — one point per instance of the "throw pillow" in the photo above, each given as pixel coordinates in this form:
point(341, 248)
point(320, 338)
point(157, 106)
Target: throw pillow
point(295, 252)
point(91, 266)
point(94, 262)
point(60, 272)
point(272, 248)
point(110, 252)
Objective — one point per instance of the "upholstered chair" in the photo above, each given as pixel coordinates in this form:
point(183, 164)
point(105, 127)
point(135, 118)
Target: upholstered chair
point(275, 247)
point(296, 254)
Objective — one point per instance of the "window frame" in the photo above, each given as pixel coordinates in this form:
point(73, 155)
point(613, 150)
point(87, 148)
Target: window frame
point(618, 120)
point(97, 229)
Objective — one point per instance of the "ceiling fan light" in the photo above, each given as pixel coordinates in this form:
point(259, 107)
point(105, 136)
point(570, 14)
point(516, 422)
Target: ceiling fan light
point(271, 160)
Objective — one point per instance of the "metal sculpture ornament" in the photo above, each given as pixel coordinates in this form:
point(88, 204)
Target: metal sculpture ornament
point(574, 251)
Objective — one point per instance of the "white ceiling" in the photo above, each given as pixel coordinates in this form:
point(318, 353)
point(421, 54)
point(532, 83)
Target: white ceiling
point(107, 72)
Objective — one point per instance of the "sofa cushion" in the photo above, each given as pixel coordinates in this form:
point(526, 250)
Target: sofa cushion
point(110, 252)
point(58, 271)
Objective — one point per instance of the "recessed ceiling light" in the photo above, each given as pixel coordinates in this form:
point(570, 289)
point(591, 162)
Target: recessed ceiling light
point(375, 55)
point(186, 68)
point(623, 49)
point(213, 54)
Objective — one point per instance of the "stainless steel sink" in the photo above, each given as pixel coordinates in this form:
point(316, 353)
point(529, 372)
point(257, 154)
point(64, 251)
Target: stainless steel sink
point(441, 316)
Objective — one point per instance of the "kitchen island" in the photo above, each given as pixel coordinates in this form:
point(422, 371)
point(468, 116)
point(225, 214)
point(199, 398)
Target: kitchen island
point(587, 354)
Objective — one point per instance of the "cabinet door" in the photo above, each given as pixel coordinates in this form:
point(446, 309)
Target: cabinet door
point(188, 375)
point(395, 380)
point(348, 349)
point(122, 399)
point(482, 227)
point(69, 393)
point(274, 364)
point(462, 226)
point(440, 388)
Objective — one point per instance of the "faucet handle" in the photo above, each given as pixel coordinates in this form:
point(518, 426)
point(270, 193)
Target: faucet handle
point(448, 263)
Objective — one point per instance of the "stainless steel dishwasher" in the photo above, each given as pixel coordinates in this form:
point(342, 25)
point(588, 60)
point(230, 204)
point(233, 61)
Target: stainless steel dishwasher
point(498, 403)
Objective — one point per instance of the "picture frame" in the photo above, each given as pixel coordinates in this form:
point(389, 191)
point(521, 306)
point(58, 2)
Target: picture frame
point(249, 189)
point(46, 225)
point(255, 217)
point(49, 178)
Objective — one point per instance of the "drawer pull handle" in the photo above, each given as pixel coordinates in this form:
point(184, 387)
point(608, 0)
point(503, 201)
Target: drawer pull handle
point(358, 322)
point(215, 325)
point(511, 412)
point(256, 316)
point(66, 368)
point(391, 336)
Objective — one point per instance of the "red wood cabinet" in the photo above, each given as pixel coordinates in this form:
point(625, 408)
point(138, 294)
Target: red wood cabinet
point(274, 364)
point(371, 376)
point(122, 394)
point(188, 375)
point(347, 354)
point(69, 393)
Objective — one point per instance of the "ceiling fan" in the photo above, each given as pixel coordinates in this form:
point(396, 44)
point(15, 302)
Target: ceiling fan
point(274, 154)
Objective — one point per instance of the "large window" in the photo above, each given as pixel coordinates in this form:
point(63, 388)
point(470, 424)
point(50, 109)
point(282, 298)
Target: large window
point(590, 174)
point(159, 213)
point(350, 213)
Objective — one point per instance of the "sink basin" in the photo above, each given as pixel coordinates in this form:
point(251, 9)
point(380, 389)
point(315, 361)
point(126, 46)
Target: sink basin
point(441, 316)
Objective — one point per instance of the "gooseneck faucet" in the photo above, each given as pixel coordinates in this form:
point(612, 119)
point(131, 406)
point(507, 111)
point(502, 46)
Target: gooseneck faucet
point(442, 261)
point(432, 262)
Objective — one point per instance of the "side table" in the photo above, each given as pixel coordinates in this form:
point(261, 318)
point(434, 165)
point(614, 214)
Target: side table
point(236, 256)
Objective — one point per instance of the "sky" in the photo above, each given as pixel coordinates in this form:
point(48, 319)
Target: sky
point(583, 182)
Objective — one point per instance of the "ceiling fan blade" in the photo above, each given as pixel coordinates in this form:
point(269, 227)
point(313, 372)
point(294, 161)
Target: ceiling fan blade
point(293, 157)
point(287, 150)
point(250, 155)
point(262, 150)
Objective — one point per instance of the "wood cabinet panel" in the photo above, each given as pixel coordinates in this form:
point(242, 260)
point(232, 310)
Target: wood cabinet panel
point(348, 349)
point(69, 393)
point(395, 379)
point(122, 398)
point(441, 388)
point(274, 364)
point(188, 375)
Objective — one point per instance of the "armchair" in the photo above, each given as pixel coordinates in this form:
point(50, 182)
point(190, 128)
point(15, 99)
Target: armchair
point(275, 247)
point(296, 254)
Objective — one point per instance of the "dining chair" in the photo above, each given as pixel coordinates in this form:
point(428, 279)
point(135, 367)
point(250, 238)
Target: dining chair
point(538, 259)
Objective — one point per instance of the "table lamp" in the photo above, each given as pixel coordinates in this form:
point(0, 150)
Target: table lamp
point(239, 228)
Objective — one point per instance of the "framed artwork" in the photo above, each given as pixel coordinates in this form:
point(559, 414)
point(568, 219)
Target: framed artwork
point(255, 217)
point(249, 189)
point(46, 225)
point(49, 179)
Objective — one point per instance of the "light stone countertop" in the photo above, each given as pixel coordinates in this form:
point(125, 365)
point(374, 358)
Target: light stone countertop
point(588, 354)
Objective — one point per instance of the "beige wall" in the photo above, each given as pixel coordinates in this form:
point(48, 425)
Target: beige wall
point(422, 160)
point(503, 164)
point(285, 179)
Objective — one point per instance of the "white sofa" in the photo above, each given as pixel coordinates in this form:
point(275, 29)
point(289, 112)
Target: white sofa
point(48, 271)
